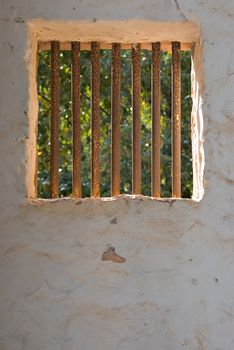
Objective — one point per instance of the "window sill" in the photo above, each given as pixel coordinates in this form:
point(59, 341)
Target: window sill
point(124, 197)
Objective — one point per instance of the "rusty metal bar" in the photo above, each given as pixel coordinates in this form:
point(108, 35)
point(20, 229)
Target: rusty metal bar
point(116, 76)
point(136, 119)
point(155, 102)
point(76, 144)
point(95, 86)
point(176, 121)
point(66, 46)
point(54, 136)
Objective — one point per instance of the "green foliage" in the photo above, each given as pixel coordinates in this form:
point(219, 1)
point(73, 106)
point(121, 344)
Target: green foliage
point(65, 170)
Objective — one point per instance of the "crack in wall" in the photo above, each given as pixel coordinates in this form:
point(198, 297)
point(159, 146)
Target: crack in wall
point(179, 9)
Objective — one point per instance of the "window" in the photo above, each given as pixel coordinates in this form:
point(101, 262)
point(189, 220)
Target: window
point(92, 142)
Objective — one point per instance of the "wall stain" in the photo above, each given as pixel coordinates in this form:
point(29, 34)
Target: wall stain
point(114, 220)
point(111, 255)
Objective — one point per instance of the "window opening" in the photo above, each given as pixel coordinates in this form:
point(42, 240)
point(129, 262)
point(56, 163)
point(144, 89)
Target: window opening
point(141, 86)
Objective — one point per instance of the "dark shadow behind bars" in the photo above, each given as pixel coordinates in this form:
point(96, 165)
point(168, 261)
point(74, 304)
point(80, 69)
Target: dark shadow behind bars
point(116, 116)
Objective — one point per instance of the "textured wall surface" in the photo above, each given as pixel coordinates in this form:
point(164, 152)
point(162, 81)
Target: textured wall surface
point(176, 289)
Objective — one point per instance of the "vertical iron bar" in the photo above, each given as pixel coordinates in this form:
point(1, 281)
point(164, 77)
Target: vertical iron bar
point(116, 72)
point(54, 136)
point(136, 119)
point(155, 102)
point(76, 145)
point(176, 121)
point(95, 86)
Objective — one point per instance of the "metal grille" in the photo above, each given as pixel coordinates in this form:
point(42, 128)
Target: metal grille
point(75, 48)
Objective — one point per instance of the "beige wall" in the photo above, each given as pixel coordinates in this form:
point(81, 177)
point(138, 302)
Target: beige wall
point(176, 289)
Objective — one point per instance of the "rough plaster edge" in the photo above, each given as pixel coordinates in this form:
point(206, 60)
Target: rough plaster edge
point(122, 197)
point(124, 31)
point(31, 146)
point(197, 132)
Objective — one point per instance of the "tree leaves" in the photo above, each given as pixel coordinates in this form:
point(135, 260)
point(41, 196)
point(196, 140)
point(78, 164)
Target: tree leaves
point(65, 171)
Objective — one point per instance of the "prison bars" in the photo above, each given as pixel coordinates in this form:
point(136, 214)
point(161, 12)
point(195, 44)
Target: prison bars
point(136, 123)
point(155, 111)
point(176, 121)
point(76, 137)
point(115, 112)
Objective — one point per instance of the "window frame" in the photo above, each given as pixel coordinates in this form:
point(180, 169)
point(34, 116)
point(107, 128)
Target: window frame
point(41, 32)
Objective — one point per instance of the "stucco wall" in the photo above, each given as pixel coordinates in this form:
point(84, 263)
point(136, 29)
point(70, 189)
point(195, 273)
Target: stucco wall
point(176, 288)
